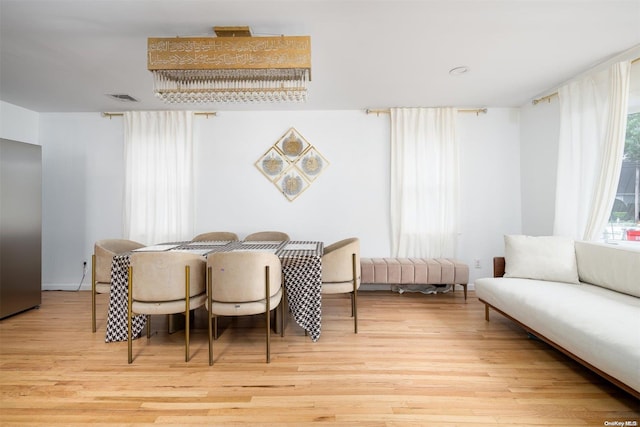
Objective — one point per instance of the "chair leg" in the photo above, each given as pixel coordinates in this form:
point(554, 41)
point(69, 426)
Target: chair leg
point(282, 304)
point(187, 311)
point(355, 311)
point(129, 344)
point(187, 334)
point(352, 304)
point(354, 298)
point(186, 339)
point(93, 292)
point(129, 302)
point(209, 315)
point(268, 335)
point(148, 322)
point(268, 312)
point(210, 344)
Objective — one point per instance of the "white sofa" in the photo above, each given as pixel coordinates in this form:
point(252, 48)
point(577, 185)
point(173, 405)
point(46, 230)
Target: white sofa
point(582, 298)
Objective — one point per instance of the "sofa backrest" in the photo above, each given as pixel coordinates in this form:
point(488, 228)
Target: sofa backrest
point(609, 266)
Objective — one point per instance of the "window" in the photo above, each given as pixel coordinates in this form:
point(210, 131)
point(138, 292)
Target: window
point(624, 221)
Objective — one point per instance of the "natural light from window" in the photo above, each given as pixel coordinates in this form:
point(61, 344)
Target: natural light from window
point(624, 221)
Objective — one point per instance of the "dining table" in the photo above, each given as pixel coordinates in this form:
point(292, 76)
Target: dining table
point(301, 269)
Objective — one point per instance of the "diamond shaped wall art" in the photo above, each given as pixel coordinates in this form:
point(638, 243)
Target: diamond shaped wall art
point(292, 164)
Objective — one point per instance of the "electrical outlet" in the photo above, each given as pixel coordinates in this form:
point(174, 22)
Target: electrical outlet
point(476, 263)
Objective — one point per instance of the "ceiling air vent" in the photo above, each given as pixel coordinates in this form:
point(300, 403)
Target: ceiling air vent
point(122, 97)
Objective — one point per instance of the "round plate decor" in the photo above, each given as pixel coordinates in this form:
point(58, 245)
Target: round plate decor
point(312, 164)
point(291, 185)
point(292, 164)
point(272, 165)
point(292, 146)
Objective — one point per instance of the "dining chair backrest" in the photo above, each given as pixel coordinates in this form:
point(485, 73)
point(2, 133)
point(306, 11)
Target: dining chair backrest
point(101, 260)
point(337, 262)
point(104, 250)
point(341, 272)
point(243, 283)
point(159, 283)
point(215, 236)
point(160, 276)
point(240, 276)
point(276, 236)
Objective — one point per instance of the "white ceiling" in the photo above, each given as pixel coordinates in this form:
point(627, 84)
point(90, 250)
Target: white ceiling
point(65, 55)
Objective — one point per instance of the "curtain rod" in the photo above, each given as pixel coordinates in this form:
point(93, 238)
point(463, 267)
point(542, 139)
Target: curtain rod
point(477, 111)
point(551, 95)
point(204, 113)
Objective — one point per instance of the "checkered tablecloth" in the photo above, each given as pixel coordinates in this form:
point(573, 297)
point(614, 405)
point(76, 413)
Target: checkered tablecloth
point(301, 268)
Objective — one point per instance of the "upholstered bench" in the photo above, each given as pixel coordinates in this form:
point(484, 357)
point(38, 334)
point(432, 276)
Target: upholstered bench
point(415, 271)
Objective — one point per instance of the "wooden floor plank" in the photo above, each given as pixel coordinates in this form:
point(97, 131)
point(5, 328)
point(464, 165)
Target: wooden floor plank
point(417, 360)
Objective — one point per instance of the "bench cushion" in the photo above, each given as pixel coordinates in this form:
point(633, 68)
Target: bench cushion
point(423, 271)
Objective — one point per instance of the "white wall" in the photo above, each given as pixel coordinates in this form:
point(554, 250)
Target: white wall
point(490, 186)
point(350, 198)
point(83, 180)
point(18, 124)
point(539, 130)
point(82, 170)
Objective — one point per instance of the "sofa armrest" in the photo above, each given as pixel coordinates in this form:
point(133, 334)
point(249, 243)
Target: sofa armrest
point(498, 266)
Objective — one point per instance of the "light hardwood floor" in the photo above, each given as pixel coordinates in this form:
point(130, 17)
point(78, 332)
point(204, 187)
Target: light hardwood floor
point(424, 360)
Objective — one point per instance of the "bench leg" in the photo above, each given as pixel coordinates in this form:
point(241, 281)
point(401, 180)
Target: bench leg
point(486, 312)
point(464, 287)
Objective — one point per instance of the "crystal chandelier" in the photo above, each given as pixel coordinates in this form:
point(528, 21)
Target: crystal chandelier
point(233, 67)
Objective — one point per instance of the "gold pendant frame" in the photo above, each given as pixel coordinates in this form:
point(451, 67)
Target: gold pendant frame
point(292, 164)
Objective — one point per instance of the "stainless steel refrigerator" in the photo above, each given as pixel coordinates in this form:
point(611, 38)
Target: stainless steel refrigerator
point(20, 226)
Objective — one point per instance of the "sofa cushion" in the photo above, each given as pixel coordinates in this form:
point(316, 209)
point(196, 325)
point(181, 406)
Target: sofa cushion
point(544, 258)
point(609, 266)
point(593, 323)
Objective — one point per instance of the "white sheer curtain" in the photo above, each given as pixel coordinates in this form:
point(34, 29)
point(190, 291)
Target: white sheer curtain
point(424, 182)
point(593, 118)
point(158, 154)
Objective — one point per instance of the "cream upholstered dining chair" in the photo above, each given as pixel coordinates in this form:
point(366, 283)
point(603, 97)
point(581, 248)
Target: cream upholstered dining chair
point(276, 236)
point(159, 283)
point(103, 253)
point(240, 284)
point(341, 272)
point(215, 235)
